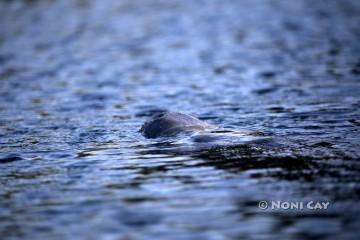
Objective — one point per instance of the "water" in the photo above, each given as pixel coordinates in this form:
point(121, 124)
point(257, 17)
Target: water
point(78, 79)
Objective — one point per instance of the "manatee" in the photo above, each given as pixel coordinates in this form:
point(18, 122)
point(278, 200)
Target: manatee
point(170, 124)
point(231, 149)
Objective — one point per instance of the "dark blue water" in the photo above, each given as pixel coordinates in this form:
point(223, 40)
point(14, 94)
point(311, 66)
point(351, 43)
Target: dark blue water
point(79, 78)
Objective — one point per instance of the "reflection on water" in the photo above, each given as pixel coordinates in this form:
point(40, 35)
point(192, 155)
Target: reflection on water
point(78, 79)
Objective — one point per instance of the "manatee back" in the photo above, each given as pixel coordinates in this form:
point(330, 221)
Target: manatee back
point(170, 124)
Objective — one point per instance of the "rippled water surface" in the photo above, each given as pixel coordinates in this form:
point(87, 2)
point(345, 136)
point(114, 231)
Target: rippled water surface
point(78, 79)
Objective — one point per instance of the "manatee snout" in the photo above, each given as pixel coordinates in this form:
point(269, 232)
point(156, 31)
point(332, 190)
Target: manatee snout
point(171, 124)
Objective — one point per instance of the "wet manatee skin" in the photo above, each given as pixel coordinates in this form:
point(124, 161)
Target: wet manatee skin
point(171, 124)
